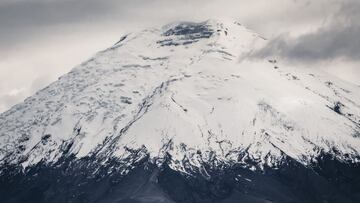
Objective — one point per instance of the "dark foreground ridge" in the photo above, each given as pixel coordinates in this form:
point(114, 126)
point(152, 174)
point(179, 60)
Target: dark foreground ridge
point(76, 181)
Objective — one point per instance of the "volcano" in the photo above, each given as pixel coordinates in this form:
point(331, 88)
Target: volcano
point(184, 113)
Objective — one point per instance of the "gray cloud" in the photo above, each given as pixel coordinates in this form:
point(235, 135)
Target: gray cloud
point(338, 38)
point(22, 21)
point(29, 13)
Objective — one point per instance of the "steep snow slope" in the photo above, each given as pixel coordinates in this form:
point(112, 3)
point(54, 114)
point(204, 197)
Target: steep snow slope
point(186, 92)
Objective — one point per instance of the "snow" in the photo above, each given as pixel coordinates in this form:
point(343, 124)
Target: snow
point(196, 94)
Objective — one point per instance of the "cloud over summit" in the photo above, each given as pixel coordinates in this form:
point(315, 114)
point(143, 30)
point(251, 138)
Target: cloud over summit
point(337, 38)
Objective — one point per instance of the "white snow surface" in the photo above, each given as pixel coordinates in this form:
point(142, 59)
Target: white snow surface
point(195, 99)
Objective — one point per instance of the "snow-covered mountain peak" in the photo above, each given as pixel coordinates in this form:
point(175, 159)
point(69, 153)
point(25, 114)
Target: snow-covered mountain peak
point(187, 94)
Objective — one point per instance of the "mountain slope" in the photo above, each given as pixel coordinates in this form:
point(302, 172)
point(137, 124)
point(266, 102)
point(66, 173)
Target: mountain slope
point(186, 98)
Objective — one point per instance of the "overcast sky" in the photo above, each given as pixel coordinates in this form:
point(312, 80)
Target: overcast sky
point(43, 39)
